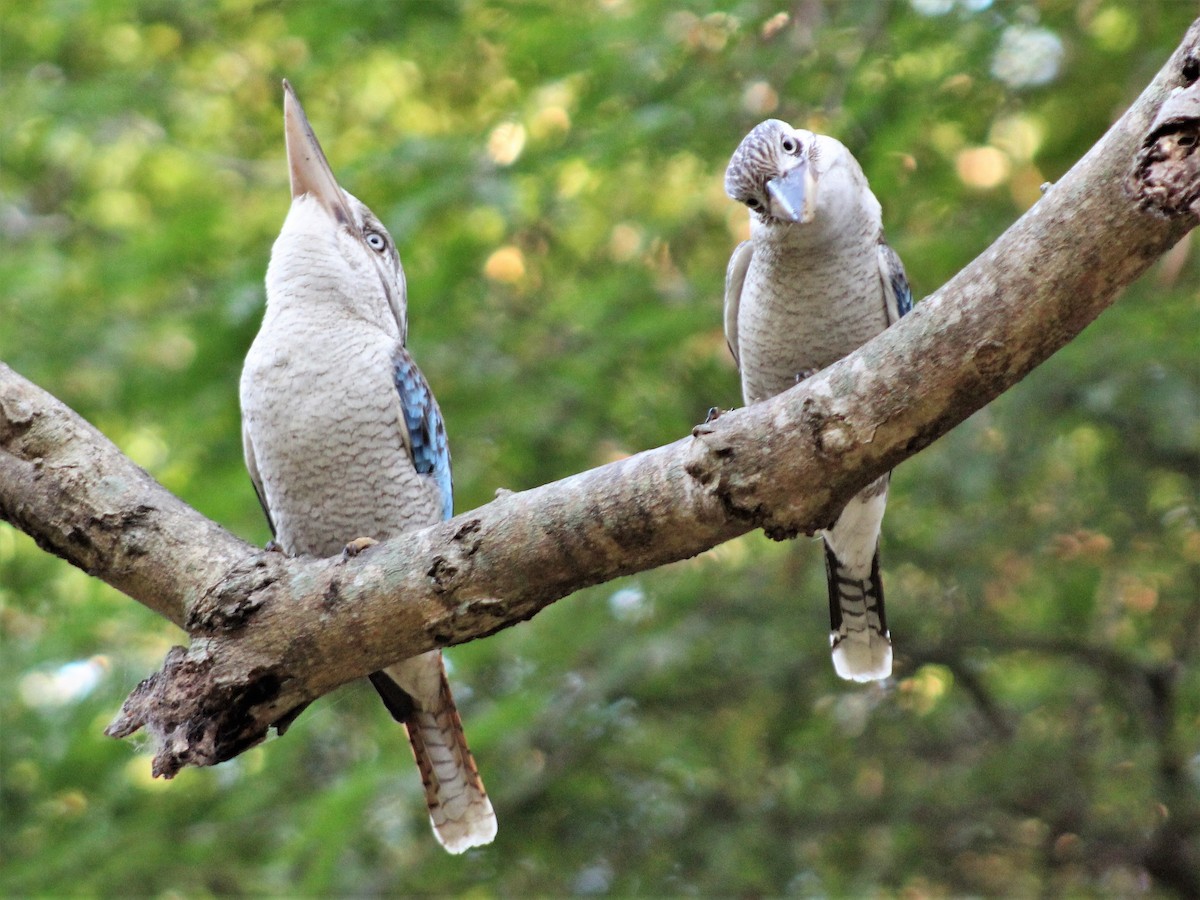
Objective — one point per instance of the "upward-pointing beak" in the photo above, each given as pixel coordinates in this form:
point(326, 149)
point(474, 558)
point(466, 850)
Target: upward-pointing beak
point(310, 172)
point(793, 195)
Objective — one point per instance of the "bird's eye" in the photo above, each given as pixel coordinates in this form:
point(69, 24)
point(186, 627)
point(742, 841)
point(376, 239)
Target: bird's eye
point(375, 241)
point(753, 202)
point(790, 145)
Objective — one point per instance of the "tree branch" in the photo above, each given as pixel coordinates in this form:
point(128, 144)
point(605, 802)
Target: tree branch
point(270, 634)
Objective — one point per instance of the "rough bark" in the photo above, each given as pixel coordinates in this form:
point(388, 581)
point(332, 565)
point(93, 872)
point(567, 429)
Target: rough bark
point(269, 634)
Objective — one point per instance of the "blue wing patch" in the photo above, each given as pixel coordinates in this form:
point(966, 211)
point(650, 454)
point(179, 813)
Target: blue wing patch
point(896, 280)
point(904, 298)
point(426, 430)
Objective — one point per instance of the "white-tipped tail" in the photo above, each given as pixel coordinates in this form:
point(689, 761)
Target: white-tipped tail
point(859, 661)
point(858, 634)
point(459, 809)
point(417, 693)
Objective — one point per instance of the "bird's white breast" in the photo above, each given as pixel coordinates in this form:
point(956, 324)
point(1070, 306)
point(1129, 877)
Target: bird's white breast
point(804, 306)
point(322, 417)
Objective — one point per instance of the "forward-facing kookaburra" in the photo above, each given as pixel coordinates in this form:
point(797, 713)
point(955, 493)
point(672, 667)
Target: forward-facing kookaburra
point(813, 283)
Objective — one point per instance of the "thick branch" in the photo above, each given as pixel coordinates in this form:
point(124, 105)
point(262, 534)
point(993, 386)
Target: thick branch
point(270, 634)
point(65, 484)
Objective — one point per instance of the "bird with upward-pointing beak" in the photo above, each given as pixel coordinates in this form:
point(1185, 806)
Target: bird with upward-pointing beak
point(345, 442)
point(813, 283)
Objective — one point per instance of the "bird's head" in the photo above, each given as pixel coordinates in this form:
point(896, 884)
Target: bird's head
point(332, 248)
point(774, 173)
point(791, 177)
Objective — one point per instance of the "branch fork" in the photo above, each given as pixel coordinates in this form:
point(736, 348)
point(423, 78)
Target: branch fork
point(270, 634)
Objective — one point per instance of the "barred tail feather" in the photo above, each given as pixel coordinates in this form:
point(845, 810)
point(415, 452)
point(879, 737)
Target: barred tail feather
point(858, 633)
point(459, 809)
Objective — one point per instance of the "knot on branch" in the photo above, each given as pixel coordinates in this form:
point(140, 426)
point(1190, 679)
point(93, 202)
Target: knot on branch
point(17, 416)
point(835, 436)
point(193, 719)
point(237, 597)
point(729, 467)
point(1165, 177)
point(708, 461)
point(449, 570)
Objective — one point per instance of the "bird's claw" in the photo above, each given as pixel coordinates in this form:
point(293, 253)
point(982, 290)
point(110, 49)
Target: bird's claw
point(273, 546)
point(357, 546)
point(805, 374)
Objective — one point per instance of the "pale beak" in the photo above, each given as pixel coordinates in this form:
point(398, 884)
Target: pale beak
point(793, 195)
point(309, 170)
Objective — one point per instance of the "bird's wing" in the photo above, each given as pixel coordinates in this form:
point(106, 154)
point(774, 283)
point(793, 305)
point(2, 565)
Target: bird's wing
point(255, 478)
point(424, 432)
point(735, 277)
point(896, 292)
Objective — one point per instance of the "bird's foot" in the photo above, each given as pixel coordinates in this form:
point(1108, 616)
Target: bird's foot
point(503, 492)
point(357, 546)
point(804, 374)
point(273, 546)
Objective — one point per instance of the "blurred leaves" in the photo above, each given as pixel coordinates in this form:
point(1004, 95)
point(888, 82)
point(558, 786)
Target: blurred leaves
point(552, 174)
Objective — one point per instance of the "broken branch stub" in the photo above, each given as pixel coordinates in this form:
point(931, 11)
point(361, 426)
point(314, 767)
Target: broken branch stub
point(210, 723)
point(1165, 176)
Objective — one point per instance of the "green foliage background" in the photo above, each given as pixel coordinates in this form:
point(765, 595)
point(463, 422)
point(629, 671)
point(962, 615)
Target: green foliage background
point(552, 174)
